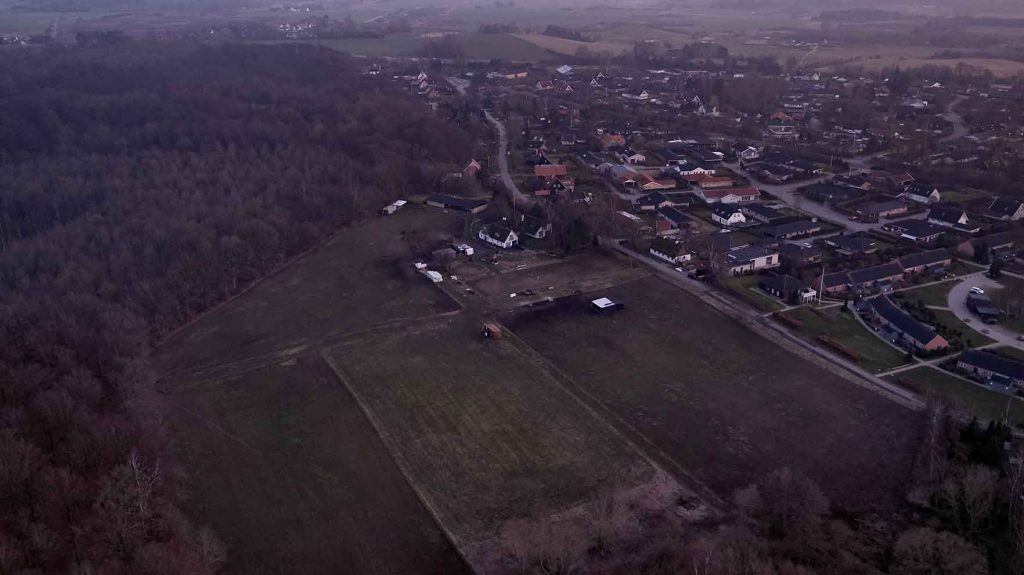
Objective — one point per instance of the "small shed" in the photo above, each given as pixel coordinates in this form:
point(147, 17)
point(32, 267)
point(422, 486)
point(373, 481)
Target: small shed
point(491, 330)
point(604, 305)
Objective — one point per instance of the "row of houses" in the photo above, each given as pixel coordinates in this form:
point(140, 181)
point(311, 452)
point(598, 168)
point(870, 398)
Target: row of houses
point(905, 329)
point(882, 277)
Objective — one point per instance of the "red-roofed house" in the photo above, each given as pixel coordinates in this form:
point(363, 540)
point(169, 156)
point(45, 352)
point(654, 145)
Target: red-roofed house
point(728, 195)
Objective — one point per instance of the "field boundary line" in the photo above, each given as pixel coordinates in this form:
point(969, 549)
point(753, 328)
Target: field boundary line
point(403, 466)
point(602, 413)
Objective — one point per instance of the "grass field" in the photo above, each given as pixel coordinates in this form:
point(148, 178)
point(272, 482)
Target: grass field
point(483, 430)
point(571, 47)
point(974, 399)
point(999, 68)
point(277, 455)
point(949, 319)
point(726, 404)
point(745, 288)
point(932, 295)
point(876, 355)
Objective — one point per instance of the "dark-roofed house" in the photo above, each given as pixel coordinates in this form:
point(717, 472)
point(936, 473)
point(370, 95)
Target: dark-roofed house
point(831, 193)
point(727, 215)
point(978, 248)
point(876, 277)
point(651, 202)
point(1006, 209)
point(798, 255)
point(948, 216)
point(750, 259)
point(832, 283)
point(917, 231)
point(924, 261)
point(792, 229)
point(498, 234)
point(787, 288)
point(989, 366)
point(982, 306)
point(907, 329)
point(458, 204)
point(920, 193)
point(852, 245)
point(672, 251)
point(726, 241)
point(673, 218)
point(887, 209)
point(762, 213)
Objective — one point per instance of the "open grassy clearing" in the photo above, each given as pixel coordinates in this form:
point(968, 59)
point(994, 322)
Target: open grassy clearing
point(972, 335)
point(354, 282)
point(974, 399)
point(281, 462)
point(571, 47)
point(999, 68)
point(876, 355)
point(484, 432)
point(278, 455)
point(745, 288)
point(931, 295)
point(727, 404)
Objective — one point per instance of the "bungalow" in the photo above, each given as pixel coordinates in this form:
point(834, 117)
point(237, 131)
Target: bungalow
point(708, 182)
point(876, 210)
point(991, 367)
point(727, 215)
point(634, 157)
point(878, 277)
point(762, 213)
point(535, 227)
point(729, 195)
point(498, 234)
point(688, 169)
point(609, 141)
point(917, 231)
point(589, 160)
point(924, 261)
point(798, 255)
point(745, 260)
point(674, 218)
point(787, 288)
point(457, 204)
point(947, 216)
point(651, 202)
point(978, 248)
point(831, 193)
point(672, 251)
point(920, 193)
point(907, 329)
point(792, 229)
point(833, 283)
point(726, 241)
point(1005, 209)
point(549, 170)
point(471, 169)
point(852, 245)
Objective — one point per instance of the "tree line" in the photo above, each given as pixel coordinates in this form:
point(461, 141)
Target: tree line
point(139, 186)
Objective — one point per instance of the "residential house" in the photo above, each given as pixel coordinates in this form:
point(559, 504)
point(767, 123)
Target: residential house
point(471, 169)
point(499, 234)
point(762, 213)
point(877, 210)
point(852, 245)
point(982, 306)
point(876, 278)
point(799, 255)
point(589, 160)
point(787, 288)
point(535, 227)
point(651, 202)
point(750, 259)
point(549, 170)
point(670, 220)
point(991, 367)
point(920, 193)
point(917, 231)
point(672, 251)
point(707, 182)
point(832, 194)
point(633, 157)
point(832, 283)
point(727, 215)
point(610, 141)
point(728, 195)
point(948, 216)
point(726, 241)
point(993, 244)
point(925, 261)
point(907, 329)
point(1006, 209)
point(791, 230)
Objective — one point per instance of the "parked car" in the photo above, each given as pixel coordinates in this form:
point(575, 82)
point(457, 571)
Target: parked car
point(977, 290)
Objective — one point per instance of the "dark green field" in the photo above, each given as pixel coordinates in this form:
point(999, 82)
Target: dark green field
point(728, 405)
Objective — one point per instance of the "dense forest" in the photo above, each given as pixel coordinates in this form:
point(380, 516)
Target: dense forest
point(139, 186)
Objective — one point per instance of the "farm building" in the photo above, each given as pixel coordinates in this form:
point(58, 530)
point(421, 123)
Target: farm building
point(455, 203)
point(392, 207)
point(605, 305)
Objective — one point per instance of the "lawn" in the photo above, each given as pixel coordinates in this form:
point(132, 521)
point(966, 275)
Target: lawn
point(931, 295)
point(876, 355)
point(502, 47)
point(481, 428)
point(726, 404)
point(949, 319)
point(975, 399)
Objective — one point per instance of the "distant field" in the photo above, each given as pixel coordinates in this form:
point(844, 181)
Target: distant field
point(278, 457)
point(503, 47)
point(483, 430)
point(999, 68)
point(975, 399)
point(727, 404)
point(570, 47)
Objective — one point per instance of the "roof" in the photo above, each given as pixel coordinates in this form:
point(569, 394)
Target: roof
point(763, 210)
point(928, 258)
point(744, 255)
point(901, 321)
point(720, 193)
point(781, 284)
point(993, 362)
point(949, 214)
point(674, 215)
point(498, 231)
point(993, 241)
point(916, 228)
point(881, 207)
point(727, 241)
point(876, 273)
point(834, 279)
point(603, 303)
point(1004, 207)
point(724, 211)
point(792, 228)
point(851, 243)
point(456, 203)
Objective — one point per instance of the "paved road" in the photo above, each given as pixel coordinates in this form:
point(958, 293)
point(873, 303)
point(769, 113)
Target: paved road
point(959, 128)
point(958, 304)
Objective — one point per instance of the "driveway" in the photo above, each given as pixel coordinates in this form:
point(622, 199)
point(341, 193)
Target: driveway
point(958, 304)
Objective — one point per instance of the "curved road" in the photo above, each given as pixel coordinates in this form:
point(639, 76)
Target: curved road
point(959, 128)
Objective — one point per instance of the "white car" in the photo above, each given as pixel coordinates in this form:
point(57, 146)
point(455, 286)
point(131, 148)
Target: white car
point(977, 290)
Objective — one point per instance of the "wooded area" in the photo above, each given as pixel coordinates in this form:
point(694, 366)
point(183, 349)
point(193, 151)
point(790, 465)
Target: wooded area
point(139, 186)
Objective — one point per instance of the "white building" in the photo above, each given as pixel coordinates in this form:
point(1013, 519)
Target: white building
point(499, 235)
